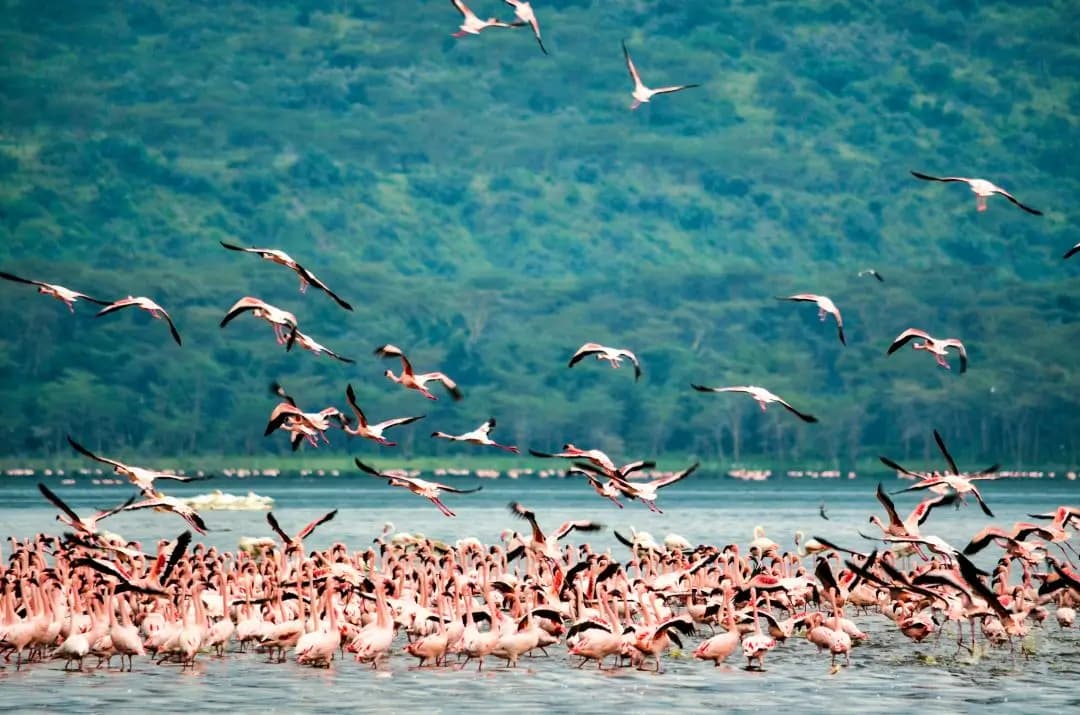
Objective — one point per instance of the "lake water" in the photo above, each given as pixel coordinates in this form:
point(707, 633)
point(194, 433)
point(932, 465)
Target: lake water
point(887, 673)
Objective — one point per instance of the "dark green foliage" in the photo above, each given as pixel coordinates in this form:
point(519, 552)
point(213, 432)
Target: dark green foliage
point(489, 209)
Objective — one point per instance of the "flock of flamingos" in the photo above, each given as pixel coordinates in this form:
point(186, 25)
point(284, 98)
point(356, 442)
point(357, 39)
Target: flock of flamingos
point(90, 594)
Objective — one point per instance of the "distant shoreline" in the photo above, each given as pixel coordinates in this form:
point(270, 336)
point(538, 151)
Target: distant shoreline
point(342, 465)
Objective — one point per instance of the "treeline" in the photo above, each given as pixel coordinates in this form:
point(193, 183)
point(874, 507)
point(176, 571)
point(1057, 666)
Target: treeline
point(489, 209)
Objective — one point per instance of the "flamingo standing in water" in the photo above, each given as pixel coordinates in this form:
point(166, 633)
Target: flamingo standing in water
point(65, 295)
point(756, 644)
point(938, 348)
point(825, 307)
point(410, 379)
point(281, 258)
point(371, 431)
point(642, 93)
point(145, 304)
point(612, 355)
point(982, 188)
point(481, 436)
point(473, 25)
point(420, 487)
point(762, 396)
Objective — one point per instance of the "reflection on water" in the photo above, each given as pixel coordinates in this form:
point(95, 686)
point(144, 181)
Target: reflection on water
point(887, 673)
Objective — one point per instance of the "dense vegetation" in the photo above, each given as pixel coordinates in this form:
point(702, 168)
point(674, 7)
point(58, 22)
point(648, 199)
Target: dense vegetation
point(489, 209)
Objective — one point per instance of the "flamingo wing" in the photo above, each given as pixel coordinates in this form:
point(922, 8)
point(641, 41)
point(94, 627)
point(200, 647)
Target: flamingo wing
point(272, 520)
point(1071, 252)
point(116, 305)
point(804, 416)
point(11, 277)
point(350, 397)
point(321, 520)
point(58, 502)
point(954, 343)
point(520, 511)
point(398, 421)
point(584, 351)
point(87, 453)
point(665, 481)
point(927, 177)
point(630, 66)
point(240, 306)
point(945, 451)
point(890, 508)
point(312, 279)
point(449, 384)
point(581, 525)
point(674, 88)
point(178, 550)
point(900, 340)
point(455, 490)
point(1002, 192)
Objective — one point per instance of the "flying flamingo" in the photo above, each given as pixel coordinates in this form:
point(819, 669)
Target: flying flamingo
point(982, 188)
point(642, 93)
point(66, 295)
point(371, 431)
point(938, 348)
point(411, 380)
point(762, 396)
point(297, 542)
point(145, 304)
point(308, 343)
point(569, 451)
point(420, 487)
point(825, 307)
point(612, 355)
point(481, 436)
point(524, 12)
point(141, 478)
point(181, 509)
point(280, 319)
point(951, 483)
point(646, 492)
point(84, 526)
point(549, 545)
point(284, 259)
point(473, 25)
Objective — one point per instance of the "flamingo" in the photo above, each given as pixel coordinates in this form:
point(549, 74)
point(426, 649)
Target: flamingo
point(938, 348)
point(278, 318)
point(722, 645)
point(65, 295)
point(524, 12)
point(297, 542)
point(952, 483)
point(371, 431)
point(569, 451)
point(642, 93)
point(281, 258)
point(756, 644)
point(145, 304)
point(420, 487)
point(142, 478)
point(308, 343)
point(825, 307)
point(67, 516)
point(165, 503)
point(910, 525)
point(614, 356)
point(473, 25)
point(762, 396)
point(982, 188)
point(548, 545)
point(647, 492)
point(411, 380)
point(480, 436)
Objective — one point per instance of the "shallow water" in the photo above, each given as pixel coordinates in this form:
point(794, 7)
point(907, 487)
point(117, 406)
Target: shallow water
point(887, 673)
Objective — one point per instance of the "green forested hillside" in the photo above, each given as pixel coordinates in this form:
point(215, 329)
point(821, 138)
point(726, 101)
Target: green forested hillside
point(489, 208)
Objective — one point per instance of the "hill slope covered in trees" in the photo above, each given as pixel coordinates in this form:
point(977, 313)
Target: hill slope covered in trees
point(489, 208)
